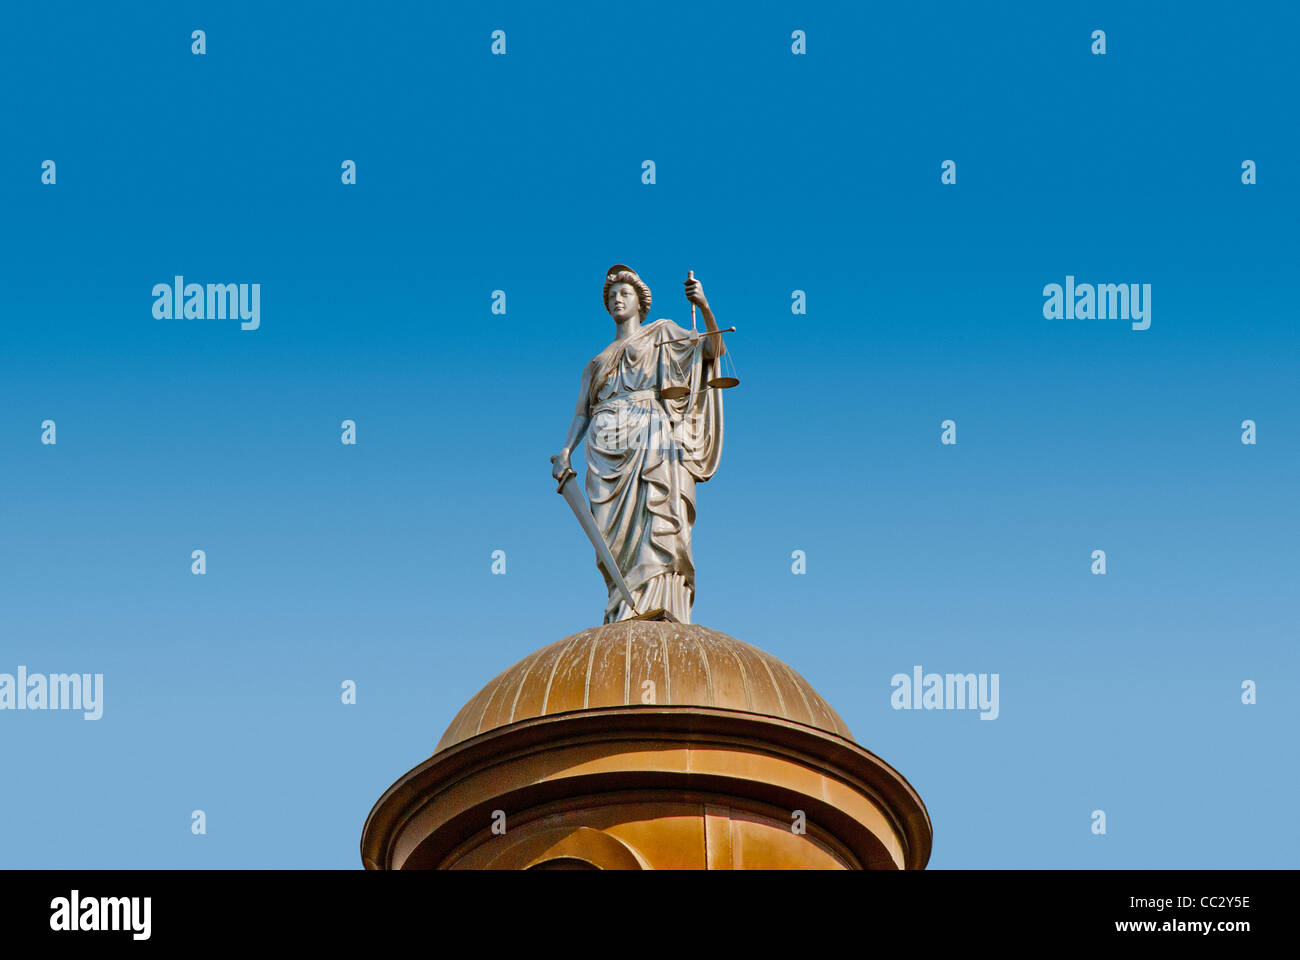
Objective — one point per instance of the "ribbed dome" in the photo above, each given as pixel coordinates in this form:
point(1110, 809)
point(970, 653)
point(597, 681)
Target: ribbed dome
point(609, 666)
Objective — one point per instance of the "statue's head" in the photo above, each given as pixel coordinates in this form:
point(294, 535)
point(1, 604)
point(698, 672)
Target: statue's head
point(625, 294)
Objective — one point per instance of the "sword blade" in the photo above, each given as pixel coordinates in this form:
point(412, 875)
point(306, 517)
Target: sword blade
point(573, 496)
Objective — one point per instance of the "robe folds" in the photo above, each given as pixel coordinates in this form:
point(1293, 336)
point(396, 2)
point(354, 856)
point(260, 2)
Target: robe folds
point(645, 455)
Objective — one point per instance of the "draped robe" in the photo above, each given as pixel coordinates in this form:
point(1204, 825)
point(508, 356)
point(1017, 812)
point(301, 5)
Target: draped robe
point(645, 455)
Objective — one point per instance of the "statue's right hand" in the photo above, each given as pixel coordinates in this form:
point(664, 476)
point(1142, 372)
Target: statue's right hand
point(560, 465)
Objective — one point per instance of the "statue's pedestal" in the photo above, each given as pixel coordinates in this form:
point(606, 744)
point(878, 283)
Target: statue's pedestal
point(648, 745)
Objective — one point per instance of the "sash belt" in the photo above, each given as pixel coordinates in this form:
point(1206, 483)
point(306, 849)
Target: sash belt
point(629, 396)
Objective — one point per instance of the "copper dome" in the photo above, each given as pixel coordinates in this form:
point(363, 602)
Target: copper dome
point(637, 662)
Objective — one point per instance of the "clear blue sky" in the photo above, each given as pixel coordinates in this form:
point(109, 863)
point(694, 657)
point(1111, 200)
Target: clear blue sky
point(775, 172)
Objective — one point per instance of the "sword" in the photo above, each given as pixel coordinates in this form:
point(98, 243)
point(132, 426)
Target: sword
point(573, 496)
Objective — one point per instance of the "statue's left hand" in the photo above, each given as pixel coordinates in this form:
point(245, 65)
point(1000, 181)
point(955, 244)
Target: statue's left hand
point(695, 292)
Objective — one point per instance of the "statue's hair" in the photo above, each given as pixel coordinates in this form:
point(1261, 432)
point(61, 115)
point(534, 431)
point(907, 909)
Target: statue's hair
point(628, 276)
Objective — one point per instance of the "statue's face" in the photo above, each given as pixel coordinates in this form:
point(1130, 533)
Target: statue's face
point(622, 302)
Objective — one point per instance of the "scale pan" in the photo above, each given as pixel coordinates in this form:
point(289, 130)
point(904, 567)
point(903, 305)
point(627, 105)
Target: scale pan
point(674, 393)
point(723, 383)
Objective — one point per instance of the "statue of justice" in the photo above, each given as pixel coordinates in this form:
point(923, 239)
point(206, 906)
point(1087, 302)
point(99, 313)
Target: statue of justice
point(650, 407)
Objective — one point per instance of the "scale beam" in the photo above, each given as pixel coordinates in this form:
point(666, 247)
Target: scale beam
point(699, 336)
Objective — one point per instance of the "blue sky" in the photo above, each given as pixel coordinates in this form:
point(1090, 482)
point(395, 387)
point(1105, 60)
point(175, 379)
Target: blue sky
point(775, 172)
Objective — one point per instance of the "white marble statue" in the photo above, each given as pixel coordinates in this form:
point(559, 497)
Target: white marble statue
point(646, 451)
